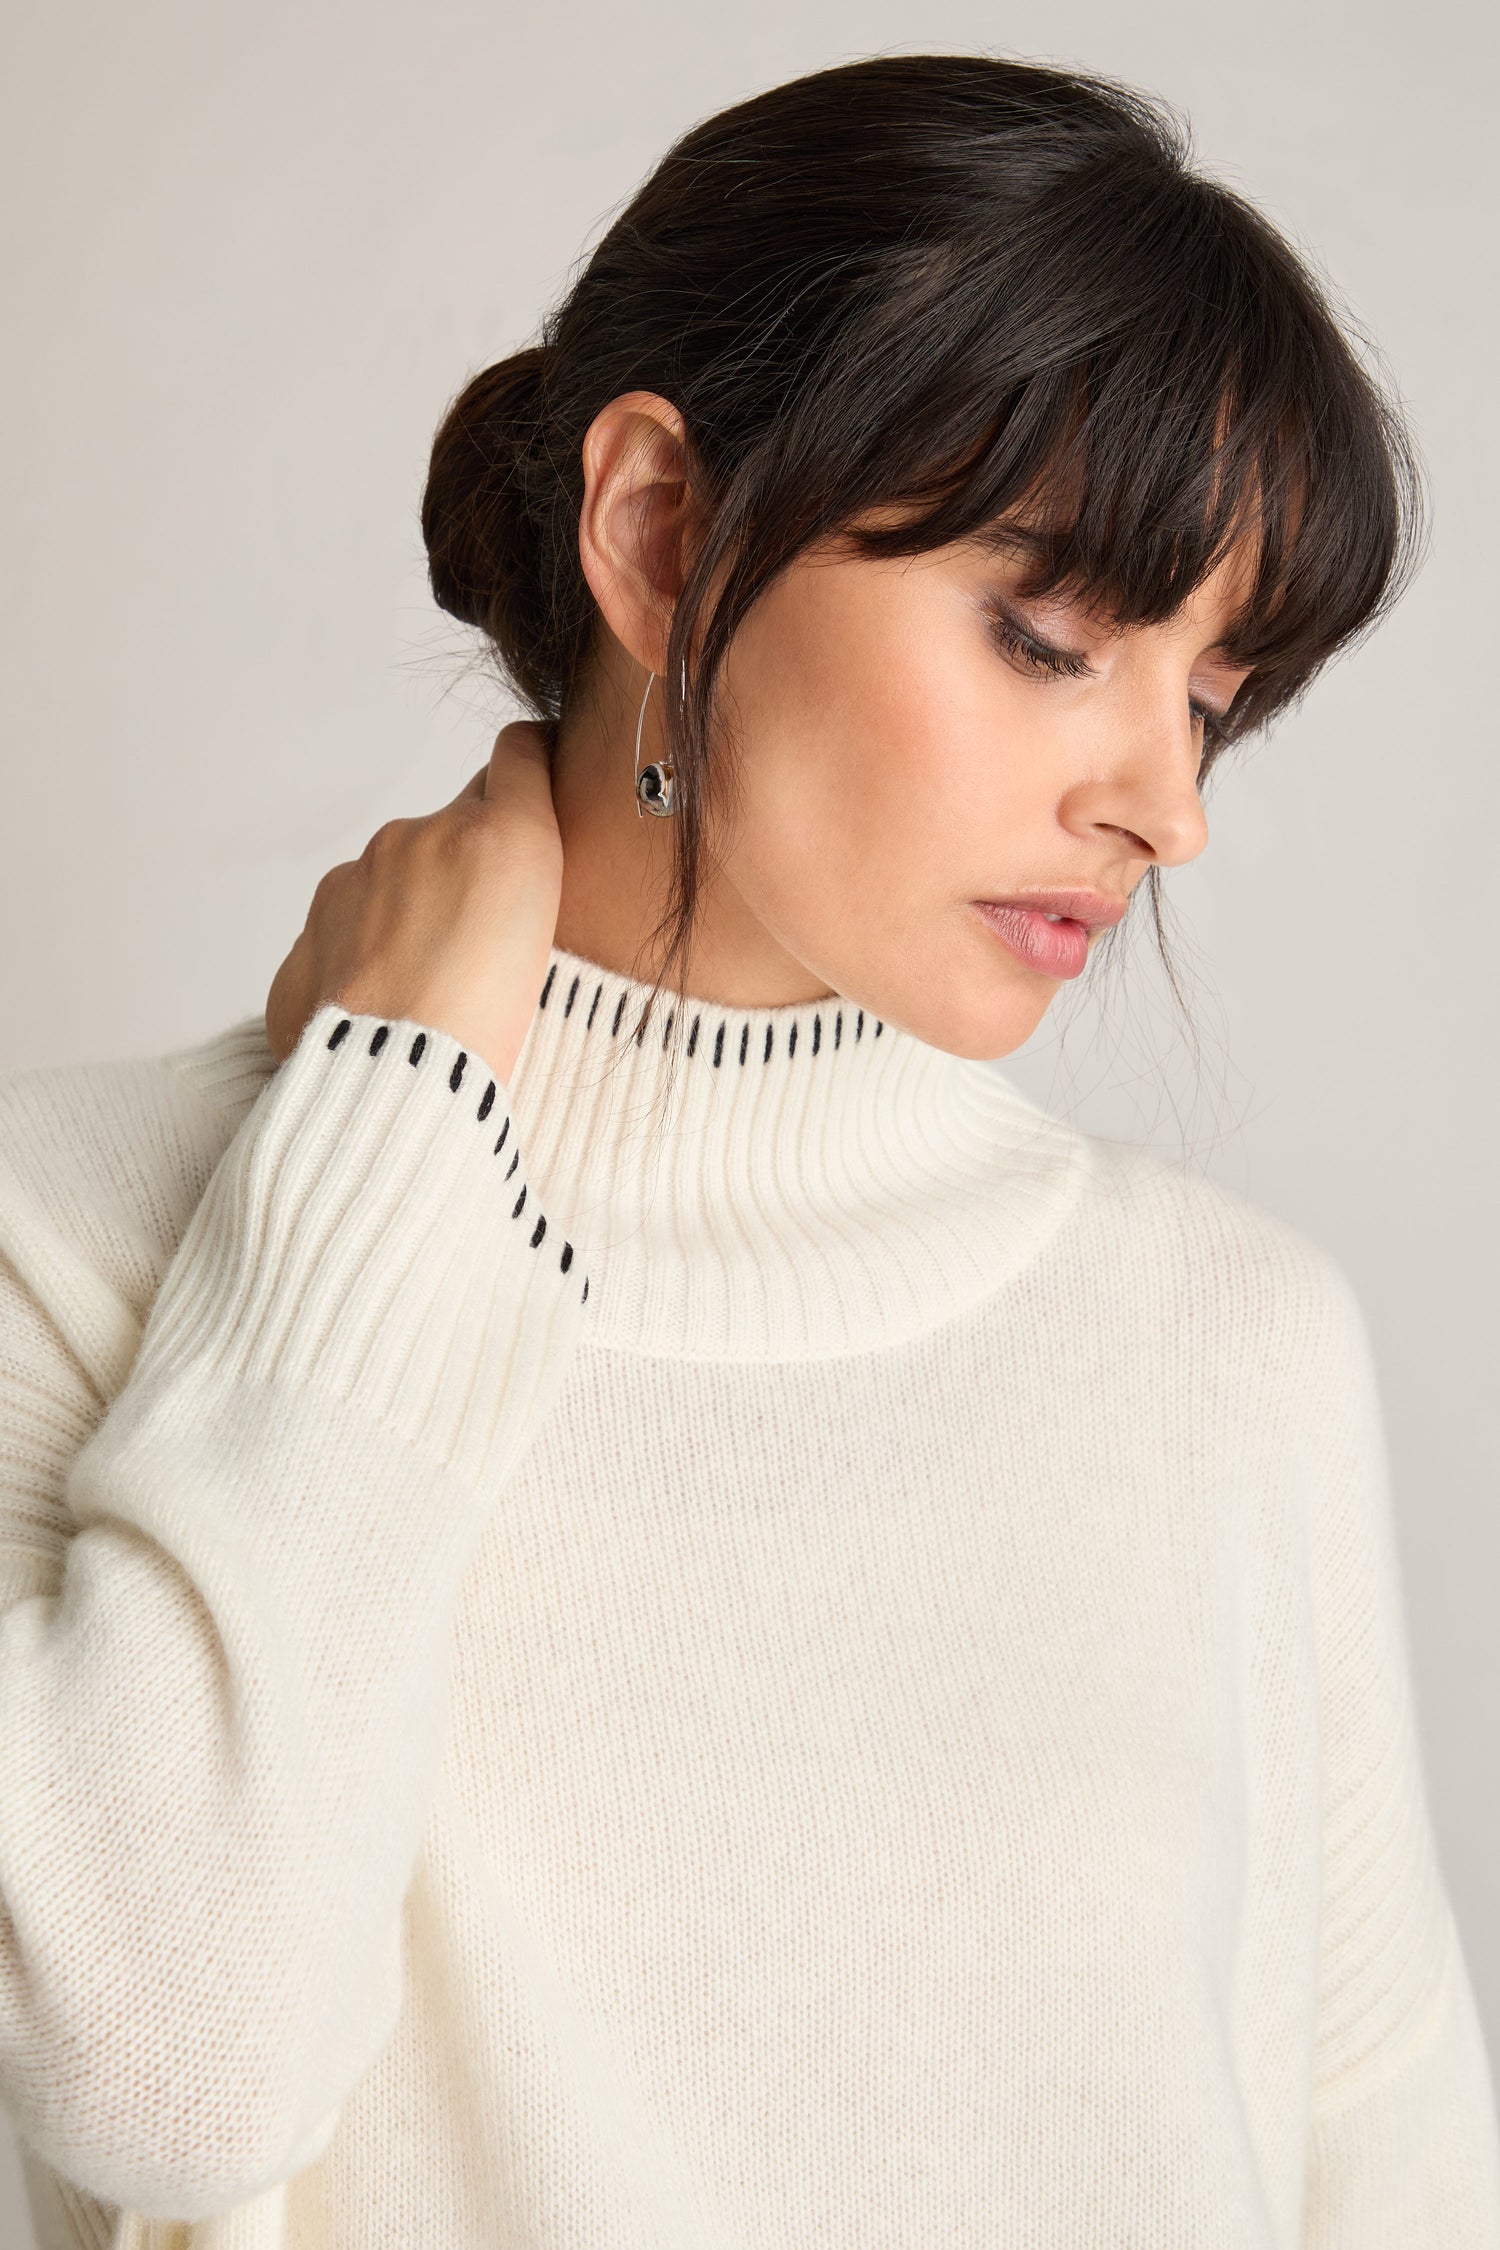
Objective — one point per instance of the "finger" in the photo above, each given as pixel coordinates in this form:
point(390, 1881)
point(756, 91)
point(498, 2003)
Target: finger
point(521, 758)
point(473, 787)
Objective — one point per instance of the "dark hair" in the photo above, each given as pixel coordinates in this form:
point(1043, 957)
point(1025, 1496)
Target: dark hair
point(958, 283)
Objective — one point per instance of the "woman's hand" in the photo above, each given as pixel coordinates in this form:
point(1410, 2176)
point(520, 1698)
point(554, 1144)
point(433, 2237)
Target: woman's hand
point(446, 920)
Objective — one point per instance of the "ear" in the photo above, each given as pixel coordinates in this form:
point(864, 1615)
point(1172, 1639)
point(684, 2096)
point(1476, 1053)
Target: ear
point(636, 524)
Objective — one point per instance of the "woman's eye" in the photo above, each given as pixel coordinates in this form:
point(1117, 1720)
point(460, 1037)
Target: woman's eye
point(1037, 656)
point(1062, 663)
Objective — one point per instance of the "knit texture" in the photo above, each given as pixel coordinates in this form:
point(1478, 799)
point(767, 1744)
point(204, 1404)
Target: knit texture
point(815, 1664)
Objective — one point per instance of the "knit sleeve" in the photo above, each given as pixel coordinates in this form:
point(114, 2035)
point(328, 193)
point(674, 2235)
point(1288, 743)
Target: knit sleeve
point(227, 1599)
point(1404, 2149)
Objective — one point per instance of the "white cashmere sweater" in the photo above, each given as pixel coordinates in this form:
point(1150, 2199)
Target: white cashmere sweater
point(823, 1671)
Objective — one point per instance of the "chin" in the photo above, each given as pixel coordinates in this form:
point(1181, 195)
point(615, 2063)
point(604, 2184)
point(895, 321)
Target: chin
point(983, 1031)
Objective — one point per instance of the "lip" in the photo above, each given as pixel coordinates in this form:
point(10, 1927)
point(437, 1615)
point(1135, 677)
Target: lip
point(1056, 949)
point(1094, 909)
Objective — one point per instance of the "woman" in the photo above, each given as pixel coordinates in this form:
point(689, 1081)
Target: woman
point(647, 1609)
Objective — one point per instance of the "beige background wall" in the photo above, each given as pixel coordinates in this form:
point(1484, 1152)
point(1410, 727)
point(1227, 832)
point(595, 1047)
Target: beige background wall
point(253, 249)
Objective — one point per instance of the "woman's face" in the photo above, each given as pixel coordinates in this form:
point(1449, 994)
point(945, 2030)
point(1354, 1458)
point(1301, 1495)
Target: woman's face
point(901, 757)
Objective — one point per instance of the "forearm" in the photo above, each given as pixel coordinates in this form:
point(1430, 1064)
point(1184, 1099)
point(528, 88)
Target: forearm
point(219, 1735)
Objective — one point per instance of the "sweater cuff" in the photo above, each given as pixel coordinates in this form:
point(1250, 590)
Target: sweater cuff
point(370, 1231)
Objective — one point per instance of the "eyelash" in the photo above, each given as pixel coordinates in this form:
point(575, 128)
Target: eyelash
point(1061, 664)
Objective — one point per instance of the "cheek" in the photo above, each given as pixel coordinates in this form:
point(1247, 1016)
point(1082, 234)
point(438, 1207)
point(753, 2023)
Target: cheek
point(869, 719)
point(893, 763)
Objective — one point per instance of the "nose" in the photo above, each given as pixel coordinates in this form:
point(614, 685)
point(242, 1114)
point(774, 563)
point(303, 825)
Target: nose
point(1145, 790)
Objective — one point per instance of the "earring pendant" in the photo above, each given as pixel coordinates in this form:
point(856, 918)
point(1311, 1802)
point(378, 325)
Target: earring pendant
point(653, 786)
point(654, 789)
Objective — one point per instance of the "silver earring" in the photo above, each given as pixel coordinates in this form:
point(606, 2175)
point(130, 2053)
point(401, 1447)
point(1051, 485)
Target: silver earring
point(654, 791)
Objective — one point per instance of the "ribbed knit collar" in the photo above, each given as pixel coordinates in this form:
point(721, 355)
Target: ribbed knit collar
point(818, 1183)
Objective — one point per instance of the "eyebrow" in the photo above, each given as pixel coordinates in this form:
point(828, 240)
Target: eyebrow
point(1003, 537)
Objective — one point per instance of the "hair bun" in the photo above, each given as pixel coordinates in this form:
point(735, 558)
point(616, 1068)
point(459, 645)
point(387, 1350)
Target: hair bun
point(482, 531)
